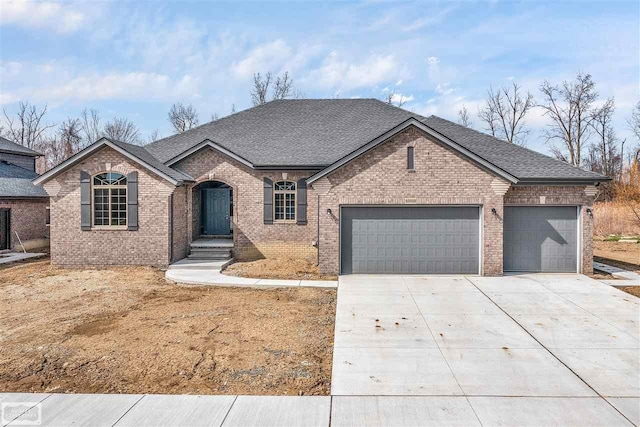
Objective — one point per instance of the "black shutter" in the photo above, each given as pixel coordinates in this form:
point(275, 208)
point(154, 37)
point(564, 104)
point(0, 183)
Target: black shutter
point(301, 215)
point(268, 201)
point(85, 201)
point(132, 201)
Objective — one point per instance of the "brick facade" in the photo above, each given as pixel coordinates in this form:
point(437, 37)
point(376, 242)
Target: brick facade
point(28, 217)
point(440, 177)
point(180, 243)
point(71, 246)
point(559, 196)
point(252, 238)
point(169, 216)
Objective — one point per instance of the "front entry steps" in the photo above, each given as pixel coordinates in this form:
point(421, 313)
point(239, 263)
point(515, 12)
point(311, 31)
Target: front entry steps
point(211, 249)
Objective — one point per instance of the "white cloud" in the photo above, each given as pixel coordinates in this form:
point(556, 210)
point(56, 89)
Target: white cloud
point(110, 86)
point(266, 57)
point(10, 69)
point(445, 89)
point(399, 82)
point(52, 15)
point(344, 75)
point(433, 60)
point(398, 97)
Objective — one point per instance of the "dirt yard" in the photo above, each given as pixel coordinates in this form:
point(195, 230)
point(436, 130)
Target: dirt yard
point(126, 330)
point(622, 255)
point(285, 268)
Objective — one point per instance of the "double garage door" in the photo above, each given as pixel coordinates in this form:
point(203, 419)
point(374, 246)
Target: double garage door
point(430, 240)
point(446, 240)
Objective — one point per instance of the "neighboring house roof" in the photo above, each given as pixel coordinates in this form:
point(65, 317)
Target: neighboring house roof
point(9, 170)
point(16, 182)
point(135, 152)
point(7, 146)
point(320, 133)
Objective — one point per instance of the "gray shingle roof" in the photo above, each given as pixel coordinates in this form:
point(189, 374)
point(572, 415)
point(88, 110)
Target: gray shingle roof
point(16, 182)
point(319, 132)
point(9, 170)
point(11, 147)
point(517, 161)
point(303, 132)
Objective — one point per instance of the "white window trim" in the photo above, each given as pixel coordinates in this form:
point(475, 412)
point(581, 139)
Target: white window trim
point(285, 192)
point(93, 200)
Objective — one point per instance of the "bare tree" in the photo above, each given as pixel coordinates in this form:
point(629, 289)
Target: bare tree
point(570, 108)
point(464, 118)
point(634, 125)
point(121, 129)
point(392, 98)
point(27, 128)
point(214, 117)
point(91, 126)
point(282, 88)
point(604, 156)
point(183, 117)
point(66, 142)
point(155, 135)
point(504, 113)
point(260, 90)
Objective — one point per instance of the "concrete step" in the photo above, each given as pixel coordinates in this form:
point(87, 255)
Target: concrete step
point(212, 243)
point(208, 258)
point(210, 249)
point(199, 264)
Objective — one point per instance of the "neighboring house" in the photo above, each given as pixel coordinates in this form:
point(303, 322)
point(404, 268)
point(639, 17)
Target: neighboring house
point(23, 205)
point(359, 185)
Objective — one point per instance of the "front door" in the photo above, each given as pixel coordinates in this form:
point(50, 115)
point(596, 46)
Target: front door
point(216, 213)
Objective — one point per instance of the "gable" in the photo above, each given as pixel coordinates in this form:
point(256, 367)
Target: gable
point(135, 153)
point(438, 170)
point(434, 136)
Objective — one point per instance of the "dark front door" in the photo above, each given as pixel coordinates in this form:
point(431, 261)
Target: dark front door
point(5, 228)
point(216, 211)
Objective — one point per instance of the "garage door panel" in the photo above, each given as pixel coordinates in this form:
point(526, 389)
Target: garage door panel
point(540, 238)
point(437, 240)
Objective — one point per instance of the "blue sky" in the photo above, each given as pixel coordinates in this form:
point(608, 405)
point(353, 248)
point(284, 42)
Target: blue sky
point(135, 58)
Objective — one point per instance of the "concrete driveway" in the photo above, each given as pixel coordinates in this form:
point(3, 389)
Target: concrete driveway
point(564, 346)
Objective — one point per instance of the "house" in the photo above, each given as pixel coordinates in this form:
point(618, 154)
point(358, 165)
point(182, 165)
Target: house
point(23, 205)
point(359, 185)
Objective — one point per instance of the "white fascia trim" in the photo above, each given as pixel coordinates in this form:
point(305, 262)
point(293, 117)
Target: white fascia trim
point(402, 126)
point(205, 143)
point(98, 145)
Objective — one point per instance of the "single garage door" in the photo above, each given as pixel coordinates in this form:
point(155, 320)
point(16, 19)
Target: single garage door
point(541, 238)
point(430, 240)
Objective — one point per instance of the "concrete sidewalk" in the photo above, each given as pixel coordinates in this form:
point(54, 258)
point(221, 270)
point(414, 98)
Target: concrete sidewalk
point(97, 410)
point(205, 272)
